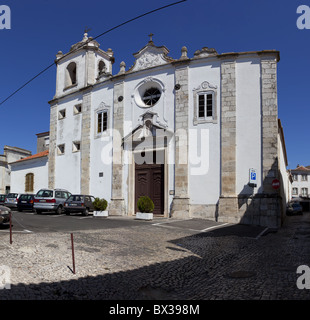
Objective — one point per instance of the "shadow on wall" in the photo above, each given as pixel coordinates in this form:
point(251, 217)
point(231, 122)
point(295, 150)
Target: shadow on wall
point(266, 208)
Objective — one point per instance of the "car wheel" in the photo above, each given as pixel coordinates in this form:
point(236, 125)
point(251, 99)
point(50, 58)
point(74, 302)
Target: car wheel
point(59, 210)
point(86, 212)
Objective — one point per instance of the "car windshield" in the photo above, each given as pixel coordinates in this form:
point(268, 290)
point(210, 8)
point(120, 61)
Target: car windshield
point(45, 193)
point(75, 198)
point(25, 197)
point(12, 195)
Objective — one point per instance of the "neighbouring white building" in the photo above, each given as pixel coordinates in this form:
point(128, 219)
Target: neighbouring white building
point(9, 155)
point(200, 135)
point(301, 182)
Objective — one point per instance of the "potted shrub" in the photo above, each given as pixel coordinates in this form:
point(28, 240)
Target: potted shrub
point(146, 207)
point(100, 206)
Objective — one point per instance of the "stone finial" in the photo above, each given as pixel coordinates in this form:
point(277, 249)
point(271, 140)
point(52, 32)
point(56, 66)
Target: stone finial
point(110, 52)
point(122, 68)
point(184, 53)
point(59, 55)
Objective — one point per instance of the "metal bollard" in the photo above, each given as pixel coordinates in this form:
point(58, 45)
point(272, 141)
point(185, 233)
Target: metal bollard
point(11, 228)
point(73, 260)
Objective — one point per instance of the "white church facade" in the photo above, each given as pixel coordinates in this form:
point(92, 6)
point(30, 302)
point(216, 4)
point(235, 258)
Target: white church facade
point(187, 132)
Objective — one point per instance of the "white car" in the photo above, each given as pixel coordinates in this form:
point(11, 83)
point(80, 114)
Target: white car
point(50, 200)
point(11, 200)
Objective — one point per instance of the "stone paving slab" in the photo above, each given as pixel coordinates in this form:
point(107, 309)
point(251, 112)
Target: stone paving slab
point(150, 262)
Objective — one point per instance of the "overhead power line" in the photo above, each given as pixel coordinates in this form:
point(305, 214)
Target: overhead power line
point(91, 39)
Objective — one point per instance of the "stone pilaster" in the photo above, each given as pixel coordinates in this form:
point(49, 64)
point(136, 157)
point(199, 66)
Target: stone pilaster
point(228, 202)
point(52, 145)
point(85, 142)
point(180, 205)
point(270, 213)
point(117, 205)
point(269, 123)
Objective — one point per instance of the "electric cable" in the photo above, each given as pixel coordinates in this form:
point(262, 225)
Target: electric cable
point(89, 40)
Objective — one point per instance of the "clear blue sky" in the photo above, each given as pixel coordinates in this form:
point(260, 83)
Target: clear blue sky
point(40, 28)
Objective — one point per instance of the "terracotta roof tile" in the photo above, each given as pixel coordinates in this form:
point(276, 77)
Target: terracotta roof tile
point(34, 156)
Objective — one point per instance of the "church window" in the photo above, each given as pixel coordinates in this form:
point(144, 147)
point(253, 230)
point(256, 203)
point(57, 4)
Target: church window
point(29, 182)
point(61, 149)
point(62, 114)
point(151, 96)
point(102, 121)
point(77, 109)
point(101, 67)
point(76, 146)
point(205, 105)
point(71, 74)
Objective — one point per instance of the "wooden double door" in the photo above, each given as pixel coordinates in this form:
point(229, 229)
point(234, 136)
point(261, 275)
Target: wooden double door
point(149, 181)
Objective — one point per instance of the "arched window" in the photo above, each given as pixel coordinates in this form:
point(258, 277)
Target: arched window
point(101, 67)
point(71, 74)
point(29, 182)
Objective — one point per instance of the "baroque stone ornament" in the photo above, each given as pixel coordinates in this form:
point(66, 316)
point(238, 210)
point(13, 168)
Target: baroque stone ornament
point(150, 56)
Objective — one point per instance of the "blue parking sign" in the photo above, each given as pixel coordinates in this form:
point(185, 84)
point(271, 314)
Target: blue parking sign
point(253, 176)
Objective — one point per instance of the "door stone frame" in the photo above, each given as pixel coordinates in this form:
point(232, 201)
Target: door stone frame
point(131, 180)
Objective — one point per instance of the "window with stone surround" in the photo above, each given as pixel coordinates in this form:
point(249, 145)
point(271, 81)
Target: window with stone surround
point(77, 109)
point(295, 177)
point(71, 73)
point(102, 121)
point(61, 114)
point(295, 191)
point(76, 146)
point(61, 149)
point(304, 177)
point(205, 106)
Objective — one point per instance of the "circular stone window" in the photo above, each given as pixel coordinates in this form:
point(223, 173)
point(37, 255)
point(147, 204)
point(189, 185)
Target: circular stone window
point(151, 96)
point(148, 93)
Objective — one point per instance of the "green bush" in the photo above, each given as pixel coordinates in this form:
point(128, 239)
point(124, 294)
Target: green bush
point(100, 204)
point(145, 204)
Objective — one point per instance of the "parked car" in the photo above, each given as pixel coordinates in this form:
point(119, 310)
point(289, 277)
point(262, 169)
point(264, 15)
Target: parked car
point(25, 202)
point(294, 208)
point(4, 214)
point(79, 203)
point(2, 198)
point(11, 200)
point(50, 200)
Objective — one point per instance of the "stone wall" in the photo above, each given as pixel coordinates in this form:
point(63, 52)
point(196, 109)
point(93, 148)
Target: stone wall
point(117, 205)
point(180, 206)
point(228, 202)
point(85, 142)
point(52, 146)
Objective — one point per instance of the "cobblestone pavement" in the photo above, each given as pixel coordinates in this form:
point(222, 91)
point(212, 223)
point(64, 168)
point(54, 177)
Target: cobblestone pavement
point(154, 262)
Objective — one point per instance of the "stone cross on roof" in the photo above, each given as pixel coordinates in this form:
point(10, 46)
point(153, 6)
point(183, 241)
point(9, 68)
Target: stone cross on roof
point(151, 37)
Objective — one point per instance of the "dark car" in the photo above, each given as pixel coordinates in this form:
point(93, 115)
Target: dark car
point(79, 203)
point(294, 208)
point(2, 198)
point(4, 214)
point(25, 202)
